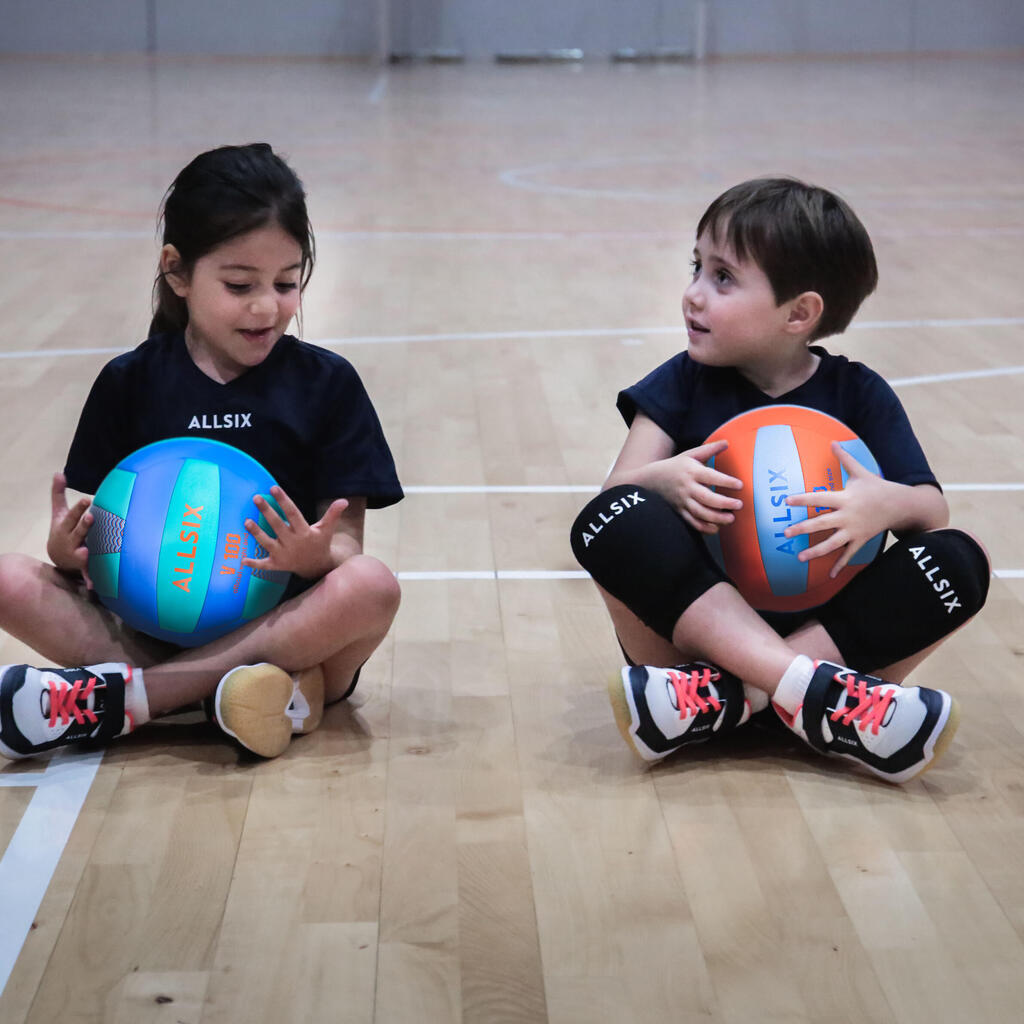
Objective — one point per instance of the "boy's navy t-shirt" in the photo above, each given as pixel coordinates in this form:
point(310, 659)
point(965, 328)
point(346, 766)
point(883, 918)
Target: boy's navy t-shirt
point(303, 413)
point(689, 401)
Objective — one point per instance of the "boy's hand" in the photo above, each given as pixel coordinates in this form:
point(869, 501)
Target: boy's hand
point(688, 486)
point(296, 546)
point(68, 527)
point(858, 513)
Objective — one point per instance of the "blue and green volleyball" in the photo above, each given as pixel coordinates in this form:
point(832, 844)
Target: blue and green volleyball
point(168, 538)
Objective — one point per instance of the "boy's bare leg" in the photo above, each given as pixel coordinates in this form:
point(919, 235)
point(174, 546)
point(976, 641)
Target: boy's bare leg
point(659, 710)
point(338, 623)
point(646, 647)
point(719, 627)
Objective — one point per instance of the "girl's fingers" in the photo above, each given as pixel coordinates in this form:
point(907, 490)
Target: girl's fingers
point(261, 537)
point(276, 521)
point(288, 507)
point(333, 514)
point(58, 495)
point(81, 528)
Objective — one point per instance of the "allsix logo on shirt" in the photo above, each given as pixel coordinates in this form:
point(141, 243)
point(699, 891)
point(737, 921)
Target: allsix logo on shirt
point(220, 421)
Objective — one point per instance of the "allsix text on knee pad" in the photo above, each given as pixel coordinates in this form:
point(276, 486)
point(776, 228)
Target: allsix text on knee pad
point(615, 508)
point(942, 587)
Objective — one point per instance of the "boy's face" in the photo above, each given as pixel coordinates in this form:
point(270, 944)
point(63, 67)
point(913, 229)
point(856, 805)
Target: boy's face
point(732, 318)
point(241, 298)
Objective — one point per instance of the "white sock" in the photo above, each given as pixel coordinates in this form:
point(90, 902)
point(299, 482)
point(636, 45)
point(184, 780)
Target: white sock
point(793, 684)
point(136, 703)
point(757, 699)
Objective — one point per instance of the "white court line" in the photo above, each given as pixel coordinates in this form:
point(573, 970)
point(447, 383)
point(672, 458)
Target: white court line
point(499, 575)
point(74, 236)
point(587, 332)
point(35, 849)
point(501, 489)
point(398, 235)
point(530, 179)
point(677, 329)
point(983, 487)
point(592, 488)
point(938, 378)
point(495, 574)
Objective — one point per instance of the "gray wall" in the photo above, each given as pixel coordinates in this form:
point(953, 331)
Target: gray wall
point(281, 27)
point(481, 27)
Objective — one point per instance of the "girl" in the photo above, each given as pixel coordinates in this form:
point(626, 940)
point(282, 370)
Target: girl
point(237, 253)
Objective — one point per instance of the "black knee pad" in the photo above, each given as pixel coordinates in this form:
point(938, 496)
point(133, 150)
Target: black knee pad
point(637, 547)
point(915, 593)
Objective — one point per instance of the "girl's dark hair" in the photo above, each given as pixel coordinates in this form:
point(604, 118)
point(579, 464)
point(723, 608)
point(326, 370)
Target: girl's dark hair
point(804, 238)
point(221, 194)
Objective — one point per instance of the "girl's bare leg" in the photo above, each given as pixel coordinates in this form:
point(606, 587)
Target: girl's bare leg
point(338, 623)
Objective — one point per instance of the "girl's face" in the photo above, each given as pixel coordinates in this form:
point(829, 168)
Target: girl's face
point(241, 297)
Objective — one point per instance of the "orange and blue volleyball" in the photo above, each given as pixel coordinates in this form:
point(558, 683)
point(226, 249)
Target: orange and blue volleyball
point(777, 451)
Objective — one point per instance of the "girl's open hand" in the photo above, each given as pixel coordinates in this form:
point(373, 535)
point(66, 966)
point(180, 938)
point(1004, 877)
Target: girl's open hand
point(296, 546)
point(856, 513)
point(688, 486)
point(65, 545)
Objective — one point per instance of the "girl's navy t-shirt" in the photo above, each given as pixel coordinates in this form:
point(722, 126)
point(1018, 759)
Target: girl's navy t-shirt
point(303, 413)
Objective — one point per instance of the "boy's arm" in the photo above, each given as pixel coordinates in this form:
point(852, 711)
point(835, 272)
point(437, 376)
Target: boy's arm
point(639, 461)
point(916, 508)
point(866, 506)
point(648, 459)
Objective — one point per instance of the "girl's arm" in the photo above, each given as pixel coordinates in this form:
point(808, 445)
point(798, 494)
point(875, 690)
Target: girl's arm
point(68, 527)
point(648, 459)
point(310, 550)
point(348, 535)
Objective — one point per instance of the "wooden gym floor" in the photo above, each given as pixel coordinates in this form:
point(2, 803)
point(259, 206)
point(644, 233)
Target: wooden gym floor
point(502, 249)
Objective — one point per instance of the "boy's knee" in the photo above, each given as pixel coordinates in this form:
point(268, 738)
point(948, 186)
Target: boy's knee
point(913, 595)
point(635, 545)
point(971, 540)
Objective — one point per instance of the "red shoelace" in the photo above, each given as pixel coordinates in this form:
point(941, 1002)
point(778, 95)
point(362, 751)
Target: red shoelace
point(64, 701)
point(686, 685)
point(872, 704)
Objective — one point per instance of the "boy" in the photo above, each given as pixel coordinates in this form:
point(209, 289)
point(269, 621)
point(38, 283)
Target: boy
point(778, 265)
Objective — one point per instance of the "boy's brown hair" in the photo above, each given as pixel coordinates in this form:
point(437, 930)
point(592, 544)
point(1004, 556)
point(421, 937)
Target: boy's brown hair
point(804, 238)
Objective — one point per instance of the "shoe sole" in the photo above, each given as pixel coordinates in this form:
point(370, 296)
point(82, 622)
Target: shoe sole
point(938, 748)
point(625, 719)
point(945, 738)
point(253, 692)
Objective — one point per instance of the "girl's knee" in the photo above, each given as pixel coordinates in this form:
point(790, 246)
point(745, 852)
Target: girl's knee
point(17, 573)
point(375, 584)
